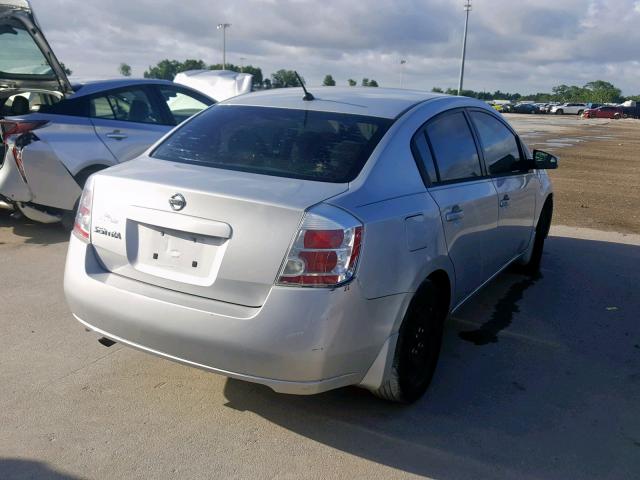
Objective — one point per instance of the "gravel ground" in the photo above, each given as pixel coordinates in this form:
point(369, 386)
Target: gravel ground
point(598, 182)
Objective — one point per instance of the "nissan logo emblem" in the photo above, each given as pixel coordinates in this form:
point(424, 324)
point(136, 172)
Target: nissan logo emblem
point(177, 202)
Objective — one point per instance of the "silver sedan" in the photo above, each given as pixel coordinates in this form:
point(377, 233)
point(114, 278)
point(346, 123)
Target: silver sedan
point(309, 243)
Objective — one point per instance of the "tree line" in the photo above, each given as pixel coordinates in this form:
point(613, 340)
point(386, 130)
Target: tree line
point(597, 91)
point(167, 70)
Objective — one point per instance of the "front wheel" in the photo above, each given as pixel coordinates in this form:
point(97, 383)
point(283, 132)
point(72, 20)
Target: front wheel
point(532, 267)
point(559, 112)
point(418, 347)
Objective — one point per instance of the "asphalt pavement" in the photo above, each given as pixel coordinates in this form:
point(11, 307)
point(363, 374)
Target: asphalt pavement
point(539, 378)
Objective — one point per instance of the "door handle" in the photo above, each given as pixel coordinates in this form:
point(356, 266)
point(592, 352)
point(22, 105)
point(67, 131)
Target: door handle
point(117, 135)
point(456, 213)
point(505, 201)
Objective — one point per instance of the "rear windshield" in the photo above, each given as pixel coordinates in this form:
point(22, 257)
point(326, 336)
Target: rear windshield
point(19, 55)
point(321, 146)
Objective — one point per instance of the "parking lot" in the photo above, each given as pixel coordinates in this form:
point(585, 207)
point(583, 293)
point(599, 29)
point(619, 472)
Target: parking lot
point(539, 378)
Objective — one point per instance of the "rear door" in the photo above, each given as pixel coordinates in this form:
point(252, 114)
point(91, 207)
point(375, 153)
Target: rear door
point(466, 197)
point(128, 120)
point(26, 59)
point(516, 187)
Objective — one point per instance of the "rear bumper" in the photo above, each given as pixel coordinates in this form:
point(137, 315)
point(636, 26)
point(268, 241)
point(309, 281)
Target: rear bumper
point(301, 341)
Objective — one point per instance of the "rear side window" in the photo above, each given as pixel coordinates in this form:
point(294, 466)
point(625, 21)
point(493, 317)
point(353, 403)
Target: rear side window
point(454, 148)
point(321, 146)
point(499, 145)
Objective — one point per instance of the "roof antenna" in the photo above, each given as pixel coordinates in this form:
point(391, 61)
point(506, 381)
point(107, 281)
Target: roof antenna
point(307, 96)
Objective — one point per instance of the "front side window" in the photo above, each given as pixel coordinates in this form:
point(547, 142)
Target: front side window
point(312, 145)
point(499, 145)
point(124, 105)
point(181, 104)
point(454, 148)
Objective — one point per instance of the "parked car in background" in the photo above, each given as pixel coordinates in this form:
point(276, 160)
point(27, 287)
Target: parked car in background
point(605, 111)
point(529, 108)
point(630, 109)
point(546, 108)
point(50, 153)
point(309, 244)
point(54, 135)
point(568, 109)
point(217, 84)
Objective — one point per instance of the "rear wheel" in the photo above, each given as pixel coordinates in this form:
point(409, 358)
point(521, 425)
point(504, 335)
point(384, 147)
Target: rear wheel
point(418, 346)
point(616, 116)
point(580, 112)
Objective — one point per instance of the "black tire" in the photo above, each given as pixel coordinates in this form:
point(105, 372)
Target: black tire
point(69, 217)
point(542, 231)
point(580, 112)
point(418, 347)
point(616, 116)
point(559, 112)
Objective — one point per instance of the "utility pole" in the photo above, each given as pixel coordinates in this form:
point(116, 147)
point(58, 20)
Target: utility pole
point(223, 27)
point(242, 59)
point(467, 8)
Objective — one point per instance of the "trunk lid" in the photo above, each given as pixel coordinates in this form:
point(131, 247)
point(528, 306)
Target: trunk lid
point(218, 234)
point(26, 59)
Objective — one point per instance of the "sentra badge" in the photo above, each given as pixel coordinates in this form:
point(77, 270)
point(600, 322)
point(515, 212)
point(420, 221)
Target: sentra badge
point(108, 233)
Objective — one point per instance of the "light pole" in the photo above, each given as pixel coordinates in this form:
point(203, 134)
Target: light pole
point(402, 64)
point(467, 8)
point(224, 27)
point(242, 59)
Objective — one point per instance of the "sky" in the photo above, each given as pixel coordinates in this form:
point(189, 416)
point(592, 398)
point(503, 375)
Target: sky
point(513, 45)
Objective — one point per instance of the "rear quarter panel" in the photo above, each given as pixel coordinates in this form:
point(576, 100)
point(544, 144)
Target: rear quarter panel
point(74, 142)
point(66, 146)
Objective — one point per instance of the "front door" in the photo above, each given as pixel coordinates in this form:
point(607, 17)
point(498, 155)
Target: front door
point(516, 187)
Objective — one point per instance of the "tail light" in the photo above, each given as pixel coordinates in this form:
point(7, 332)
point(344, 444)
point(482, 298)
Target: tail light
point(82, 225)
point(325, 250)
point(11, 127)
point(18, 129)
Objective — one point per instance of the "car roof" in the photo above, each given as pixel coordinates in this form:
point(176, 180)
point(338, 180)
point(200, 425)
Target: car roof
point(95, 86)
point(369, 101)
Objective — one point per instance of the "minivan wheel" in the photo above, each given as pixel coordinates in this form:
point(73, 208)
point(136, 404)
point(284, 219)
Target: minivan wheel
point(418, 347)
point(542, 230)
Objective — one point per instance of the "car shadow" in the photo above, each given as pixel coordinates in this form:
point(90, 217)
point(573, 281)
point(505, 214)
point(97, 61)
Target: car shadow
point(18, 468)
point(33, 232)
point(546, 387)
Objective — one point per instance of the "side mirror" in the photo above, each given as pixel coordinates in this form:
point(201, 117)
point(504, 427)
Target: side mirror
point(544, 161)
